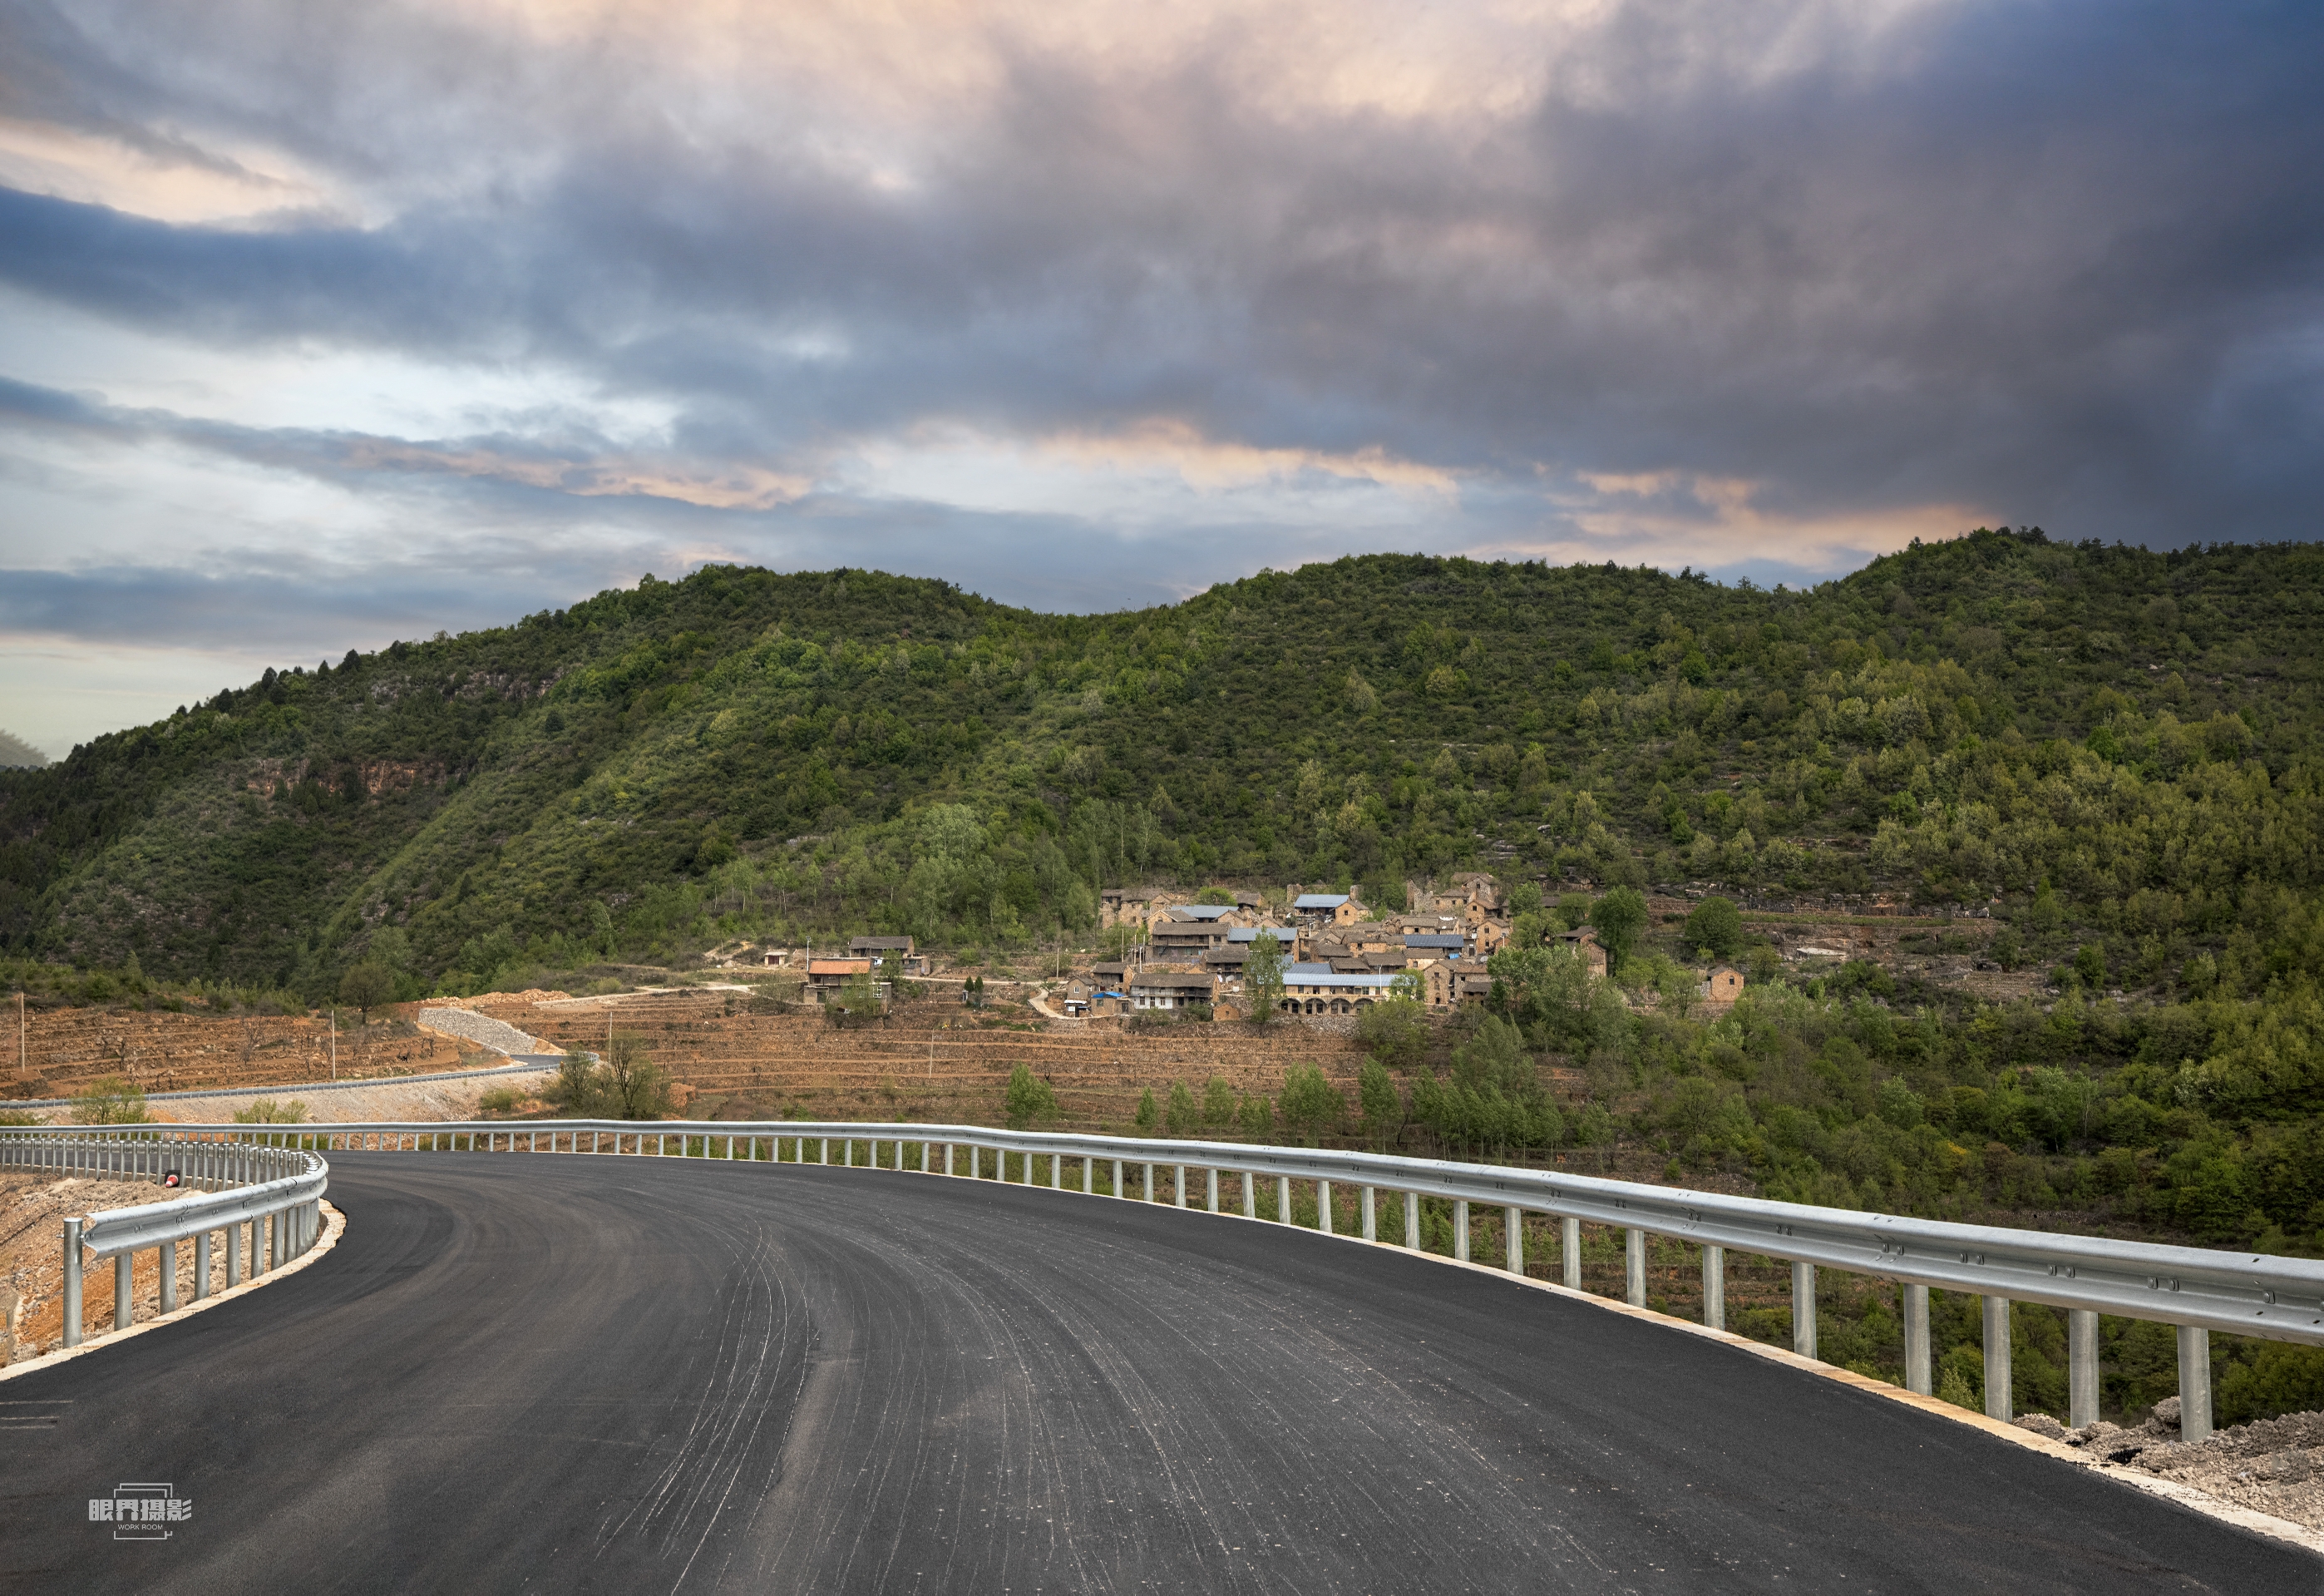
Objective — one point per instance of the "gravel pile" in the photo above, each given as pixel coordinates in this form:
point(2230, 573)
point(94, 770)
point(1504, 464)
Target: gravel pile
point(482, 1030)
point(2271, 1465)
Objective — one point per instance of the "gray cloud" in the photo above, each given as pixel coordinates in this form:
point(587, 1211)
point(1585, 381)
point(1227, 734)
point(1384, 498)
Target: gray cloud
point(2061, 261)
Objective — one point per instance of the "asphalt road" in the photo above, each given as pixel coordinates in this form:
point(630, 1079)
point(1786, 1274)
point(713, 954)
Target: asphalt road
point(569, 1374)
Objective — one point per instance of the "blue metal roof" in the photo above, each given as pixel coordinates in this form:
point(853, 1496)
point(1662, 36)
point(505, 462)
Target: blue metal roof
point(1327, 979)
point(1320, 899)
point(1253, 933)
point(1202, 912)
point(1434, 940)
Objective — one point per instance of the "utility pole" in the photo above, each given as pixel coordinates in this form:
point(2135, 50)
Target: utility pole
point(23, 1061)
point(335, 1044)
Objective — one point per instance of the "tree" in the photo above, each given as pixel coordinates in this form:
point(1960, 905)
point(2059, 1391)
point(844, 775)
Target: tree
point(1396, 1031)
point(1619, 915)
point(1218, 1103)
point(1715, 927)
point(1149, 1114)
point(1256, 1116)
point(1029, 1098)
point(111, 1100)
point(2090, 964)
point(1182, 1118)
point(577, 1088)
point(366, 986)
point(1263, 978)
point(1310, 1105)
point(1377, 1098)
point(635, 1086)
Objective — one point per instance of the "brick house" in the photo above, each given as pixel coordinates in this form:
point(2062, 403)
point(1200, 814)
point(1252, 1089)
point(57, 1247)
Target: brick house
point(1171, 989)
point(890, 955)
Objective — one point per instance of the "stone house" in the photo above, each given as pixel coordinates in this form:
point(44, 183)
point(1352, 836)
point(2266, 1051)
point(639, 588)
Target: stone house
point(1328, 908)
point(1451, 982)
point(1585, 943)
point(1428, 947)
point(1722, 986)
point(1133, 905)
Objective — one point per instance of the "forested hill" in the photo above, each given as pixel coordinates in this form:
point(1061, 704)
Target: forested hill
point(748, 752)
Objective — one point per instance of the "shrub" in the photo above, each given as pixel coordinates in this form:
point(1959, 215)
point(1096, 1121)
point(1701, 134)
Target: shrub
point(267, 1111)
point(111, 1100)
point(1029, 1098)
point(1150, 1113)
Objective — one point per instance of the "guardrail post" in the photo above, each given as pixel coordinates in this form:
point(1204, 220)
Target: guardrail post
point(1371, 1221)
point(1714, 1288)
point(1118, 1190)
point(1634, 1267)
point(125, 1306)
point(1569, 1251)
point(1283, 1199)
point(1412, 1221)
point(2082, 1367)
point(1460, 1229)
point(1213, 1175)
point(2194, 1382)
point(1803, 1325)
point(233, 1254)
point(1323, 1206)
point(1919, 1371)
point(1179, 1184)
point(1997, 1357)
point(1513, 1239)
point(169, 1277)
point(72, 1283)
point(201, 1266)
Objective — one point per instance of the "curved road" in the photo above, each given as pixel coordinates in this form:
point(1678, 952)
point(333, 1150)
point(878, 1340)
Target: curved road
point(637, 1374)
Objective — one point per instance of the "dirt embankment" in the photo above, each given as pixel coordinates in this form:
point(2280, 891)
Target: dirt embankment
point(931, 1061)
point(33, 1211)
point(65, 1049)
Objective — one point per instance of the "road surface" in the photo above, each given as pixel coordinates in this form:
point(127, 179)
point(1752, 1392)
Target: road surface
point(591, 1374)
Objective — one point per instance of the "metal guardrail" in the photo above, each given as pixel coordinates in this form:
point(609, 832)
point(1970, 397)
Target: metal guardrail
point(2195, 1289)
point(275, 1191)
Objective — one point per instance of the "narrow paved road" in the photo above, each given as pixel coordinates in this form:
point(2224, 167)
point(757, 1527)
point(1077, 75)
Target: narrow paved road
point(565, 1374)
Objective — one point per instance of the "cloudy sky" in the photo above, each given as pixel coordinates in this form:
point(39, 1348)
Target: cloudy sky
point(321, 325)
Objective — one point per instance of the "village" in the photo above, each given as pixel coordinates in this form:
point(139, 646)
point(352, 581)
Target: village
point(1187, 954)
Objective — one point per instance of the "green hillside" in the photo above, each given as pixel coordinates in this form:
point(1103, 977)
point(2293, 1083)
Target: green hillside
point(747, 753)
point(2116, 752)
